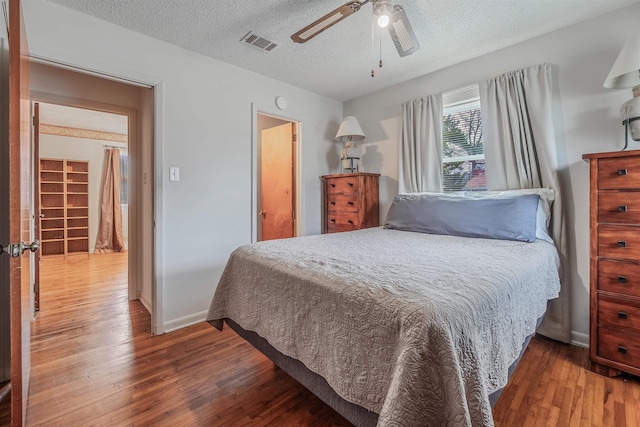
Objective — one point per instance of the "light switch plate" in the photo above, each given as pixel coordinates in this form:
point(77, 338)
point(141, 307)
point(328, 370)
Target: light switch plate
point(174, 173)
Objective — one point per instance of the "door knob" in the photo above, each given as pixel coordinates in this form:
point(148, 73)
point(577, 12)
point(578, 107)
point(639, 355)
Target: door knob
point(263, 213)
point(33, 246)
point(14, 250)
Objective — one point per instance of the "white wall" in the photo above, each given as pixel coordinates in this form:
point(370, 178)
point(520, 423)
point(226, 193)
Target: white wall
point(204, 127)
point(91, 150)
point(588, 115)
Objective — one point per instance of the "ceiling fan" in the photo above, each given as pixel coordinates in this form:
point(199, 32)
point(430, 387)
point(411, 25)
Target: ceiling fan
point(389, 15)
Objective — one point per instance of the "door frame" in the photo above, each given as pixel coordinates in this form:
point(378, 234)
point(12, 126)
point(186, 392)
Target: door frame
point(134, 147)
point(105, 71)
point(296, 120)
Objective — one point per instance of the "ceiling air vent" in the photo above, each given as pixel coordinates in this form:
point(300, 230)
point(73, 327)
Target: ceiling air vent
point(254, 40)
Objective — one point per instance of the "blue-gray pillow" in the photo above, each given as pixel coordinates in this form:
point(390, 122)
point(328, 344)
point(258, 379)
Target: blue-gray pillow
point(509, 218)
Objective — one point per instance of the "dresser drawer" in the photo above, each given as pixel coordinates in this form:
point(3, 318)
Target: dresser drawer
point(616, 314)
point(337, 222)
point(619, 173)
point(619, 207)
point(619, 242)
point(339, 228)
point(620, 347)
point(341, 219)
point(619, 276)
point(342, 202)
point(348, 184)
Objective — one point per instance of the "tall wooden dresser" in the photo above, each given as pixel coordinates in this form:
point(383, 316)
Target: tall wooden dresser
point(350, 201)
point(615, 262)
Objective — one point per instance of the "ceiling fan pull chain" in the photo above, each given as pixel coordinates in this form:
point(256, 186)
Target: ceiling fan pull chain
point(380, 34)
point(373, 46)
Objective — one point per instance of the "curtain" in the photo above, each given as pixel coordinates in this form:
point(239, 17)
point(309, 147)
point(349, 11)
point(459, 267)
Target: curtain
point(420, 157)
point(110, 227)
point(520, 152)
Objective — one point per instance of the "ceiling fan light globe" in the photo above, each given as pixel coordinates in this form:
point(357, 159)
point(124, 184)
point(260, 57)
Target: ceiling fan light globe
point(383, 21)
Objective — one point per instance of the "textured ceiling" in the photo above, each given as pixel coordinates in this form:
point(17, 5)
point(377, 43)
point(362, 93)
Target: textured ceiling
point(338, 62)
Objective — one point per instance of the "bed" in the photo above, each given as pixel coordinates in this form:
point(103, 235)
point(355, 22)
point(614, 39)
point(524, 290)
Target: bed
point(391, 327)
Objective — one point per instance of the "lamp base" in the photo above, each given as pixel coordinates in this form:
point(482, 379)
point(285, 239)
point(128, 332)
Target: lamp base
point(630, 112)
point(349, 157)
point(634, 123)
point(349, 165)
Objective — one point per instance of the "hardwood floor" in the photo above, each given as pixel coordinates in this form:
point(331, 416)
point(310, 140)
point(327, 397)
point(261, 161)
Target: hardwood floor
point(95, 363)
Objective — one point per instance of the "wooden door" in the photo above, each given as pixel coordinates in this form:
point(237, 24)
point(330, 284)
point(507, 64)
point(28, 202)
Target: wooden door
point(36, 204)
point(19, 174)
point(277, 183)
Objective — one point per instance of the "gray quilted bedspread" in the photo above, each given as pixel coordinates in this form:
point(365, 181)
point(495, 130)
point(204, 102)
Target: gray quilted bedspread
point(418, 328)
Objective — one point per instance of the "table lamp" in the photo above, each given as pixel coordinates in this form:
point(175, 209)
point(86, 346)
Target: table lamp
point(349, 132)
point(625, 73)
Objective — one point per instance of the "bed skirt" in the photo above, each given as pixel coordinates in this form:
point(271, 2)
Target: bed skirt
point(356, 414)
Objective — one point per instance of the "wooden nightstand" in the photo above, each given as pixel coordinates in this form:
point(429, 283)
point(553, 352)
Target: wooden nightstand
point(350, 201)
point(615, 262)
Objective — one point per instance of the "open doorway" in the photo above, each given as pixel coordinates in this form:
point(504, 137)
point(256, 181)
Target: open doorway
point(51, 84)
point(82, 187)
point(277, 177)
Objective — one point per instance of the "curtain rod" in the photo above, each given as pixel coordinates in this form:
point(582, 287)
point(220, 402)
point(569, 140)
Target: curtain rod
point(115, 146)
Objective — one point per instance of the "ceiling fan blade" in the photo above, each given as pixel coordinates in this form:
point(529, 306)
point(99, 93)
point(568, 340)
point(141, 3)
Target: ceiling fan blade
point(331, 18)
point(402, 33)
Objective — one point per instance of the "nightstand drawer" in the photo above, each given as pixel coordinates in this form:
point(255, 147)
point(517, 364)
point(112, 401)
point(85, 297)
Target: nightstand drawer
point(342, 202)
point(620, 347)
point(617, 314)
point(619, 276)
point(619, 207)
point(619, 173)
point(619, 242)
point(348, 184)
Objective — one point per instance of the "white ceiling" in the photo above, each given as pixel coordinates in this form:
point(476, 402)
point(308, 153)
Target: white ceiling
point(338, 62)
point(81, 118)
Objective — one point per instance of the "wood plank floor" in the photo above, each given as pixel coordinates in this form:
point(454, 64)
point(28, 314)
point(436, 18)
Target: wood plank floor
point(95, 363)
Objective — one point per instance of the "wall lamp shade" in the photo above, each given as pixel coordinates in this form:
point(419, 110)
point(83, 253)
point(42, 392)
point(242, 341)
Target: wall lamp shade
point(625, 73)
point(350, 130)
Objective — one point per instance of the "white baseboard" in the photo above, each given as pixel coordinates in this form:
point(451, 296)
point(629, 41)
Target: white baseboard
point(579, 339)
point(183, 322)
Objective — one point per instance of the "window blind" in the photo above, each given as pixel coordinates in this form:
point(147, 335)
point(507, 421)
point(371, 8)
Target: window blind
point(463, 167)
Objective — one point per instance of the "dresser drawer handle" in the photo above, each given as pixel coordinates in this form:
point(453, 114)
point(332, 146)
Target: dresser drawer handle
point(622, 349)
point(622, 172)
point(350, 222)
point(333, 185)
point(332, 203)
point(622, 315)
point(350, 203)
point(350, 184)
point(333, 220)
point(622, 208)
point(622, 279)
point(622, 244)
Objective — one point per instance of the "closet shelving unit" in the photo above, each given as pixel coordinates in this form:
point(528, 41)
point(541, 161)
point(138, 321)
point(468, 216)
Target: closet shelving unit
point(64, 206)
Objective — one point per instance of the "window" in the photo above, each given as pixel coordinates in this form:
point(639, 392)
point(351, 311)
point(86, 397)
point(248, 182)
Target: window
point(463, 167)
point(124, 177)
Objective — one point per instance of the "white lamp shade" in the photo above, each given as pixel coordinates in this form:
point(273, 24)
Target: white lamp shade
point(626, 70)
point(350, 129)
